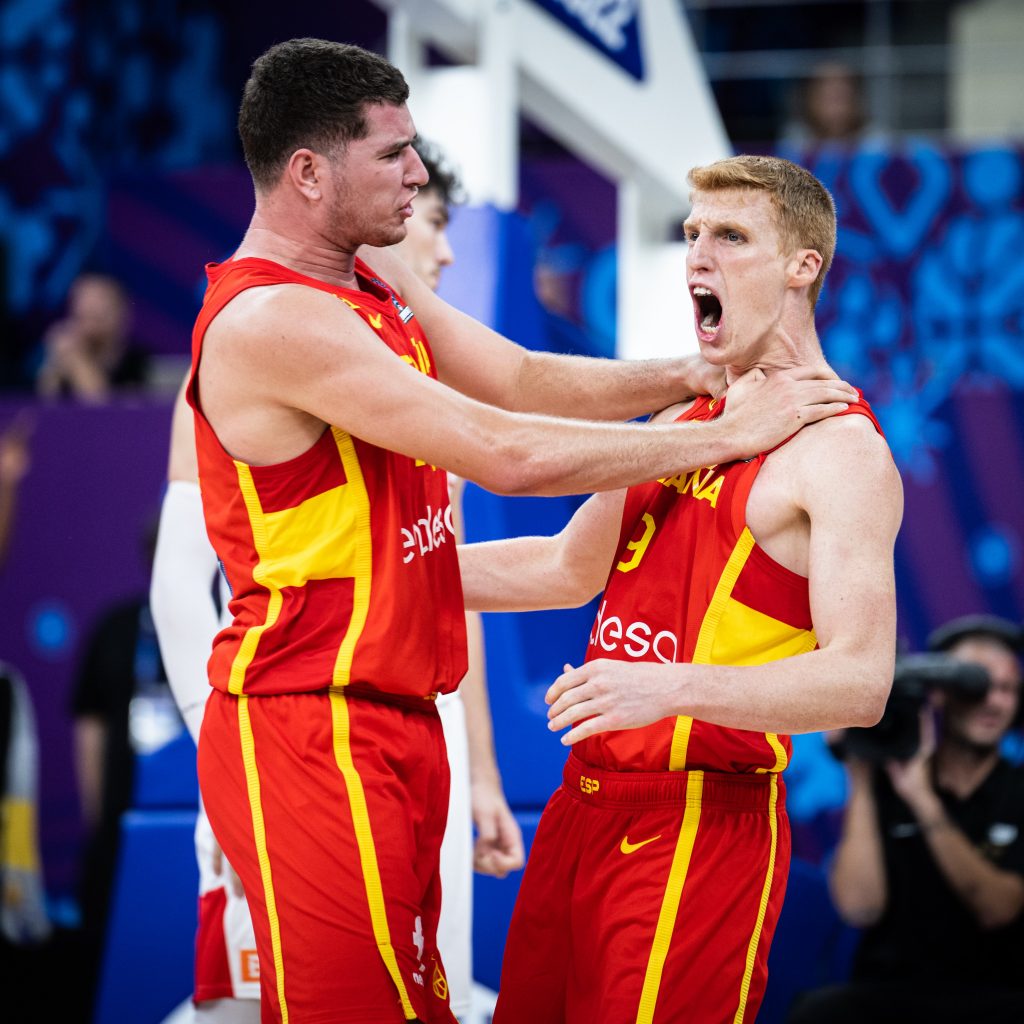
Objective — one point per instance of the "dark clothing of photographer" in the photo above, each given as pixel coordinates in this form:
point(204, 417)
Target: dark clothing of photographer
point(926, 934)
point(930, 863)
point(927, 958)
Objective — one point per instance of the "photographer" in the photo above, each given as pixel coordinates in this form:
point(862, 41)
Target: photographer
point(930, 862)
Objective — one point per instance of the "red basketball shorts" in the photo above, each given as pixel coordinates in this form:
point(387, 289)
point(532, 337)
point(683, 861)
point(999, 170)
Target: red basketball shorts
point(648, 897)
point(332, 808)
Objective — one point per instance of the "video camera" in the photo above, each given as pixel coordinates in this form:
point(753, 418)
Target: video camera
point(897, 736)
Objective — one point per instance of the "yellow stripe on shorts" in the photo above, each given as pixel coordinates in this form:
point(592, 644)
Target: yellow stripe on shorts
point(755, 938)
point(364, 840)
point(252, 782)
point(673, 896)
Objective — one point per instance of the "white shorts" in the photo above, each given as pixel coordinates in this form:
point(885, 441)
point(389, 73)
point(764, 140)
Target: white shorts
point(455, 928)
point(226, 963)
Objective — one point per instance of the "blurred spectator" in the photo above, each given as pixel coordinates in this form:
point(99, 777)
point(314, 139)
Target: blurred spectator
point(121, 705)
point(91, 354)
point(23, 918)
point(931, 859)
point(14, 464)
point(831, 109)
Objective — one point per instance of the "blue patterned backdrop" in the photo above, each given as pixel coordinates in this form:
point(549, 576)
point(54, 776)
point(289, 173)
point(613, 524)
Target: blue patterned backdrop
point(924, 309)
point(91, 89)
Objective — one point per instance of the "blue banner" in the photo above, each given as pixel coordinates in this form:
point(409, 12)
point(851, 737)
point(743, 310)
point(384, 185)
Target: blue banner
point(611, 26)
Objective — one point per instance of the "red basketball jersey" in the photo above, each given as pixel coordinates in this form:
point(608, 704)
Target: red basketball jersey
point(690, 584)
point(341, 561)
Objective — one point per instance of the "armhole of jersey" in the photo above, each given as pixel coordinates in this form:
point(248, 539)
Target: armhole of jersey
point(861, 408)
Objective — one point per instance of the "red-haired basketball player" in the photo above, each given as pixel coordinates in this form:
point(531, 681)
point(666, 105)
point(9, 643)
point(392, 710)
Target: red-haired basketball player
point(743, 601)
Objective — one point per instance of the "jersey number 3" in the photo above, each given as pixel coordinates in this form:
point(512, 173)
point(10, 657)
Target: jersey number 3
point(638, 546)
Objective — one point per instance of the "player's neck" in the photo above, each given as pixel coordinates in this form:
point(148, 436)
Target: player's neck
point(307, 253)
point(783, 350)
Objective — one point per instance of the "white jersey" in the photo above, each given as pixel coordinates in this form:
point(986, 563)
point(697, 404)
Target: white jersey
point(226, 963)
point(186, 619)
point(455, 925)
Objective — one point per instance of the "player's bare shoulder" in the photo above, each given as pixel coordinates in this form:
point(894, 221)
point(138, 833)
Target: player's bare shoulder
point(271, 339)
point(259, 353)
point(851, 434)
point(262, 318)
point(841, 458)
point(837, 473)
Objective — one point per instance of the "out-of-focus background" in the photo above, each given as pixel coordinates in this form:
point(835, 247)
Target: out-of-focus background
point(573, 125)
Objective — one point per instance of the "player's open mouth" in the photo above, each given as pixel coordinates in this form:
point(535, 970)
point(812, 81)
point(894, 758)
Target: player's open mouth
point(708, 311)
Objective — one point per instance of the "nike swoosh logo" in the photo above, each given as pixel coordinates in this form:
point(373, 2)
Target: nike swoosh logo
point(627, 847)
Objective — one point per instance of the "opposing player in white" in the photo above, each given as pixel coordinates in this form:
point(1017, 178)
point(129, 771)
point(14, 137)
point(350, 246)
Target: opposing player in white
point(185, 574)
point(476, 792)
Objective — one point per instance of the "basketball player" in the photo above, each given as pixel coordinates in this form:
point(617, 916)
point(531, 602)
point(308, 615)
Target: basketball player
point(476, 792)
point(743, 601)
point(185, 565)
point(323, 416)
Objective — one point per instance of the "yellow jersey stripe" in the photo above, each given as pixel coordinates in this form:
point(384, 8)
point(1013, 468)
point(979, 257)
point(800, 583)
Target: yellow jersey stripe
point(363, 542)
point(680, 743)
point(252, 782)
point(781, 758)
point(247, 648)
point(706, 636)
point(673, 895)
point(364, 840)
point(755, 938)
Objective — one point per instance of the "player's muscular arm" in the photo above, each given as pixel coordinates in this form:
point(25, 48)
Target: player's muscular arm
point(182, 463)
point(851, 493)
point(530, 573)
point(562, 571)
point(184, 567)
point(281, 364)
point(485, 365)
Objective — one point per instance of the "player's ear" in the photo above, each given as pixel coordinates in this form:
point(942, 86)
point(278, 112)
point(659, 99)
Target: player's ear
point(304, 172)
point(804, 268)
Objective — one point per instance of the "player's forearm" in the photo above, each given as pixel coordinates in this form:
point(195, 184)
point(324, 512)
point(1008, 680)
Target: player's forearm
point(812, 692)
point(995, 897)
point(483, 764)
point(857, 879)
point(603, 389)
point(181, 599)
point(526, 380)
point(522, 574)
point(547, 456)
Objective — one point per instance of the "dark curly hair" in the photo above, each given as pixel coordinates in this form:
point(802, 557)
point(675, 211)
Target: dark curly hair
point(310, 92)
point(443, 178)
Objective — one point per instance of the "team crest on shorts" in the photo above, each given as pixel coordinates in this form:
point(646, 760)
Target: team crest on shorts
point(439, 983)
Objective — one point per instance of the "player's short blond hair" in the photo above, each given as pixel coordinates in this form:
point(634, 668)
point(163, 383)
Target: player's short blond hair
point(805, 210)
